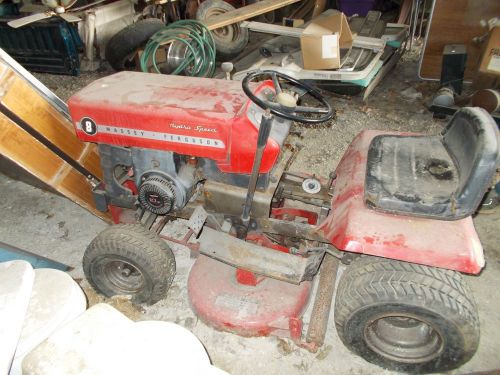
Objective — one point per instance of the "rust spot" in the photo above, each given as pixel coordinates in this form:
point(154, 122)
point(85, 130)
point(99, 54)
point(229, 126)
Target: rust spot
point(369, 239)
point(349, 194)
point(399, 241)
point(219, 107)
point(264, 332)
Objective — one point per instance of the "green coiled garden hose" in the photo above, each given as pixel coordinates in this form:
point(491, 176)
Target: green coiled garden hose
point(199, 57)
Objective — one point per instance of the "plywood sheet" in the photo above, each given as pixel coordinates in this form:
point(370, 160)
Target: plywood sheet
point(456, 22)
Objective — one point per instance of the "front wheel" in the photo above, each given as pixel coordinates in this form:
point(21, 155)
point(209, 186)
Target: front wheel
point(406, 317)
point(130, 260)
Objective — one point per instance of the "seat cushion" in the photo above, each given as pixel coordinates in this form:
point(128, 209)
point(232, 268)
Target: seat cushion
point(410, 175)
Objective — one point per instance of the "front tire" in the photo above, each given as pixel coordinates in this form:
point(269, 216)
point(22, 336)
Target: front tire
point(406, 317)
point(129, 260)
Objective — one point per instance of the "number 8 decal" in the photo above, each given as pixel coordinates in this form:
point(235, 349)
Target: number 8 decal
point(88, 126)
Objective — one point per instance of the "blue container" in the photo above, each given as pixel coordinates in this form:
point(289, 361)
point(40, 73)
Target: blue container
point(48, 46)
point(359, 7)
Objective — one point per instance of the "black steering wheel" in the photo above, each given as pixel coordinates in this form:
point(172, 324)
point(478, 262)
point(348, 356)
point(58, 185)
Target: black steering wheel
point(285, 104)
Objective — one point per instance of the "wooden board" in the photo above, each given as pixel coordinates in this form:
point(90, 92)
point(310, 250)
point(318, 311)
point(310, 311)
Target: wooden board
point(246, 12)
point(455, 22)
point(34, 157)
point(319, 7)
point(54, 155)
point(20, 98)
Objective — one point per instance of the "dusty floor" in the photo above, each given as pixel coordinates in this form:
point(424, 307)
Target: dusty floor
point(53, 226)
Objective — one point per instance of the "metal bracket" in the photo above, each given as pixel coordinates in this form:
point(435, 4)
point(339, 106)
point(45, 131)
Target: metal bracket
point(375, 44)
point(197, 220)
point(258, 259)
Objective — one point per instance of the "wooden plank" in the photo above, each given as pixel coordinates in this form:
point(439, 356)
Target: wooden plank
point(23, 100)
point(19, 147)
point(38, 138)
point(319, 7)
point(302, 10)
point(404, 11)
point(455, 22)
point(246, 12)
point(28, 153)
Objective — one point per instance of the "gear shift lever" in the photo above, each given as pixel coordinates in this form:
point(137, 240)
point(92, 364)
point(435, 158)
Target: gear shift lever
point(227, 67)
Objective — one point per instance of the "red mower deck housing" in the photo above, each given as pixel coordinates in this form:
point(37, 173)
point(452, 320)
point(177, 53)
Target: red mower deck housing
point(271, 307)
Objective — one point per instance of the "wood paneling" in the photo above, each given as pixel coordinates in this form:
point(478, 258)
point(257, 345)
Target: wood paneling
point(20, 98)
point(53, 132)
point(31, 155)
point(456, 22)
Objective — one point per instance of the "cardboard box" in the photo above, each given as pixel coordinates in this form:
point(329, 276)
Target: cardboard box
point(322, 40)
point(490, 61)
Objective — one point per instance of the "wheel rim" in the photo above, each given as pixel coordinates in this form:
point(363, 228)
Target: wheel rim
point(123, 276)
point(404, 338)
point(227, 33)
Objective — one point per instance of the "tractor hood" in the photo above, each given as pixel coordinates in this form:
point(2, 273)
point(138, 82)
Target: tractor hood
point(209, 118)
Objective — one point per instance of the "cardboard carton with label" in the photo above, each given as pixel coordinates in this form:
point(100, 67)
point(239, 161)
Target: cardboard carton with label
point(323, 40)
point(490, 61)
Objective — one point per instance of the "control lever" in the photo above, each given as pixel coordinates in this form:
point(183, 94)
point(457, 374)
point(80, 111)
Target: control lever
point(263, 136)
point(227, 67)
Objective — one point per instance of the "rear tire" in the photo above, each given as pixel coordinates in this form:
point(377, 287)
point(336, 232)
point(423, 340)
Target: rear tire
point(229, 40)
point(130, 260)
point(122, 47)
point(406, 317)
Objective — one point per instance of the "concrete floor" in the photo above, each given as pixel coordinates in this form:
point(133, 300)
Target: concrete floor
point(53, 226)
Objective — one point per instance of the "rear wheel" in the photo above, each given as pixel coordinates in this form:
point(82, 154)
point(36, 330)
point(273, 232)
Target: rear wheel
point(406, 317)
point(130, 260)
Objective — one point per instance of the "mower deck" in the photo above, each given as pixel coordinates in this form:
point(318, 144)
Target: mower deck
point(270, 307)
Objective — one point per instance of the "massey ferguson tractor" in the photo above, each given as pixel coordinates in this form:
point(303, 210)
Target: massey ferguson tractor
point(216, 153)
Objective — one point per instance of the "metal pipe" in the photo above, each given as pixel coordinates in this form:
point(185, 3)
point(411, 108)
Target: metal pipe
point(264, 130)
point(322, 304)
point(414, 23)
point(422, 19)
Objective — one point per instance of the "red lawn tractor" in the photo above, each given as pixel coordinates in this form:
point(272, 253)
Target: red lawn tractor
point(396, 211)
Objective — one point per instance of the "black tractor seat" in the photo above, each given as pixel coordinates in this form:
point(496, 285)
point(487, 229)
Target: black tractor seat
point(442, 177)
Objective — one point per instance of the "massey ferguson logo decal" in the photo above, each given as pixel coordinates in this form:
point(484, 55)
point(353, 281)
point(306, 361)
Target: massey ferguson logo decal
point(88, 126)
